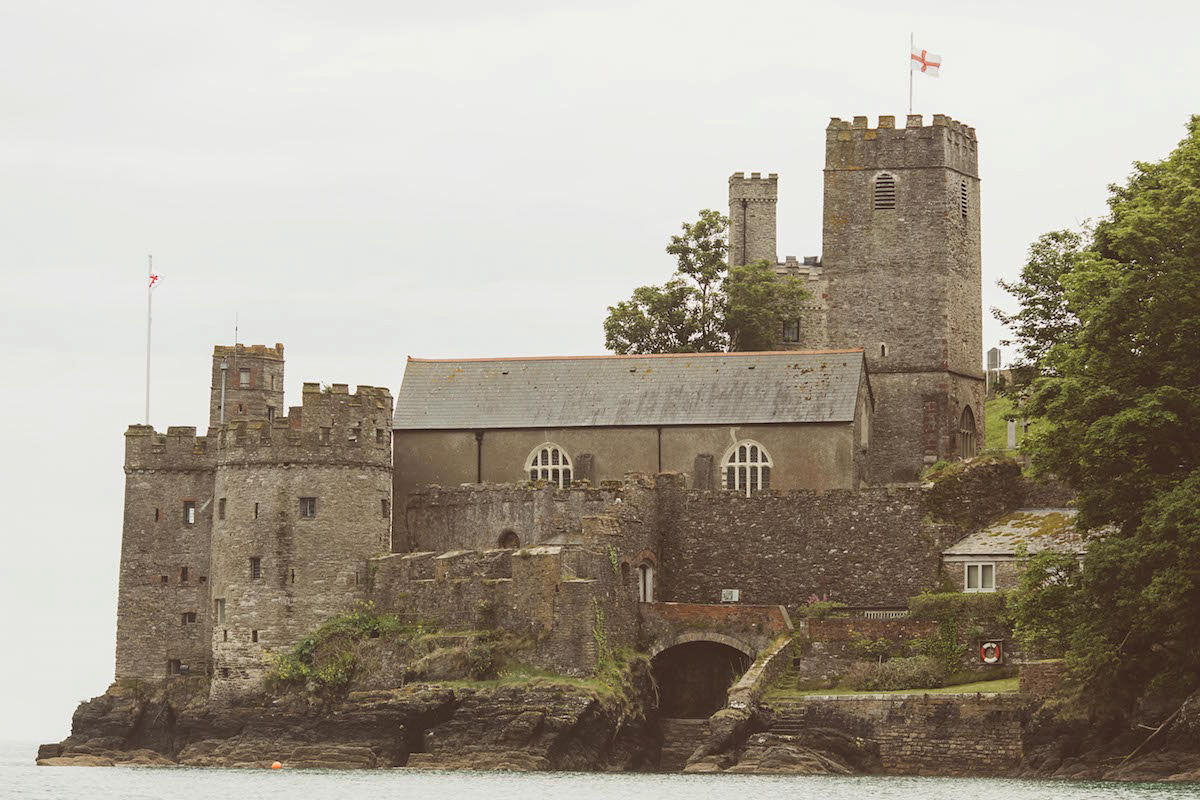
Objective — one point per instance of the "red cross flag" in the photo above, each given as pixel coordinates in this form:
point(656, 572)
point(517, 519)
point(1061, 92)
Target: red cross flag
point(153, 280)
point(926, 62)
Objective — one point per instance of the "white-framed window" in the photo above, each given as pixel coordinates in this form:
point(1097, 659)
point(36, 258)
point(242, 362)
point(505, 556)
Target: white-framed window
point(549, 462)
point(979, 577)
point(747, 468)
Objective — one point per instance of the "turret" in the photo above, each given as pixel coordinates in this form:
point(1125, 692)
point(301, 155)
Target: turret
point(752, 204)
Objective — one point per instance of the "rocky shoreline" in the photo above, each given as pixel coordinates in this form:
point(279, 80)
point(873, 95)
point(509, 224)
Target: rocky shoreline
point(553, 726)
point(529, 727)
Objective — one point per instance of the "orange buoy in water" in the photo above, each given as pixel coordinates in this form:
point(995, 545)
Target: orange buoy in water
point(277, 765)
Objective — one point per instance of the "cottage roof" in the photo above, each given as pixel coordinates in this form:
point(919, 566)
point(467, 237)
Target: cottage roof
point(1037, 529)
point(589, 391)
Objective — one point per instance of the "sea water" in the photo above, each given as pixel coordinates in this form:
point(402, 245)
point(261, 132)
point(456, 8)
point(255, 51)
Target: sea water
point(19, 778)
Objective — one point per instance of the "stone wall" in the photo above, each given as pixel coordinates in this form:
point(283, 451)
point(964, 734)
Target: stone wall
point(905, 282)
point(924, 734)
point(477, 516)
point(569, 600)
point(261, 397)
point(303, 501)
point(867, 548)
point(1040, 679)
point(162, 601)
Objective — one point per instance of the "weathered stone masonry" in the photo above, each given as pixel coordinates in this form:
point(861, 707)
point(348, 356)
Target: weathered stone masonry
point(306, 502)
point(162, 602)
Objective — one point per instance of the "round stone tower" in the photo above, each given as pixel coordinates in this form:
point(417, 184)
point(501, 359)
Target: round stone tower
point(301, 502)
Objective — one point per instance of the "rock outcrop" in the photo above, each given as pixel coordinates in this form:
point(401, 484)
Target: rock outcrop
point(534, 726)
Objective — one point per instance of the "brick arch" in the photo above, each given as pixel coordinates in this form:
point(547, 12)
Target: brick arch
point(707, 636)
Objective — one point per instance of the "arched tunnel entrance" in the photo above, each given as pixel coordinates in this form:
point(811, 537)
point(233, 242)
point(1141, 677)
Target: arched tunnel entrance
point(693, 678)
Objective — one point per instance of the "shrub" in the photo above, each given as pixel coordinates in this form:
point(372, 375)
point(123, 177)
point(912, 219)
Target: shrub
point(914, 672)
point(821, 609)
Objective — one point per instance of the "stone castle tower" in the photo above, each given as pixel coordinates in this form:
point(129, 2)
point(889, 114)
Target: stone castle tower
point(900, 276)
point(302, 502)
point(249, 537)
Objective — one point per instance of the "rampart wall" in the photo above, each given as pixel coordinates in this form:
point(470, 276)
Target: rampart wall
point(302, 502)
point(477, 516)
point(163, 623)
point(925, 734)
point(569, 600)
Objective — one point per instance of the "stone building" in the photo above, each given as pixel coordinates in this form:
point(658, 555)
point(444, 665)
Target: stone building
point(775, 473)
point(900, 276)
point(740, 421)
point(248, 537)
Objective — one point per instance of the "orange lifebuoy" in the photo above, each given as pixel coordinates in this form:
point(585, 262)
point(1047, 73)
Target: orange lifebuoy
point(277, 765)
point(989, 653)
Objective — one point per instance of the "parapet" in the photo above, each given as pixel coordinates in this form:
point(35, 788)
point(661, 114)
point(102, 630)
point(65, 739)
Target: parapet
point(252, 350)
point(756, 188)
point(331, 426)
point(178, 449)
point(944, 143)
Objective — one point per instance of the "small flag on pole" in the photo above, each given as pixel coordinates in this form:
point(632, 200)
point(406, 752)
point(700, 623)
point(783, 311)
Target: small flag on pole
point(926, 62)
point(153, 280)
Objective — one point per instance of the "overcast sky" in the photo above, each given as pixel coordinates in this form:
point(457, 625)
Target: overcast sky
point(367, 180)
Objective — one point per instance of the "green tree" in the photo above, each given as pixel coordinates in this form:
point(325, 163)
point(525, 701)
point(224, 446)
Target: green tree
point(1120, 396)
point(705, 307)
point(1123, 391)
point(1043, 317)
point(1044, 607)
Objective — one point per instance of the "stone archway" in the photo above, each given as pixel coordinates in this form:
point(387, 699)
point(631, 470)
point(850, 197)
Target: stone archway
point(694, 673)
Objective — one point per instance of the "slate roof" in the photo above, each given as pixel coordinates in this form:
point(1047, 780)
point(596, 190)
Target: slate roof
point(1037, 528)
point(587, 391)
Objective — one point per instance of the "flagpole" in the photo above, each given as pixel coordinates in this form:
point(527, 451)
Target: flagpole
point(149, 296)
point(912, 42)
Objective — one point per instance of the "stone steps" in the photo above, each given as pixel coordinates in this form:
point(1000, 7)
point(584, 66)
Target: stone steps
point(681, 737)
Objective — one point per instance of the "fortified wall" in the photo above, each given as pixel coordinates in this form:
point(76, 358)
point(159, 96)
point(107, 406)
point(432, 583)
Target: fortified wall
point(163, 624)
point(571, 601)
point(302, 502)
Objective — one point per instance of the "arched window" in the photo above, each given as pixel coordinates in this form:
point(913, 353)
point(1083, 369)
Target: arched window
point(885, 190)
point(549, 462)
point(962, 198)
point(747, 468)
point(966, 434)
point(646, 582)
point(509, 540)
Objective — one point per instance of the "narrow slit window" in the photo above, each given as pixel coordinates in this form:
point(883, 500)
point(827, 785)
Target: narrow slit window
point(962, 198)
point(385, 508)
point(254, 636)
point(189, 512)
point(221, 508)
point(255, 567)
point(885, 191)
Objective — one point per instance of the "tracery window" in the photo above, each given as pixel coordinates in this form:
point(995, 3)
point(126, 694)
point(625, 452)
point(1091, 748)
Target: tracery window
point(549, 462)
point(747, 468)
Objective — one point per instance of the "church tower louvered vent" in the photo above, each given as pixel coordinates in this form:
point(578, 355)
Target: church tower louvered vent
point(885, 191)
point(962, 198)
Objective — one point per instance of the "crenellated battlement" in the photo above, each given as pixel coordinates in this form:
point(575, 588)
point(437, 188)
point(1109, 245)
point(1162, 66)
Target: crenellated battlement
point(331, 425)
point(252, 350)
point(178, 449)
point(853, 145)
point(756, 188)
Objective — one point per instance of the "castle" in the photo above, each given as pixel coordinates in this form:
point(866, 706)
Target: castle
point(780, 475)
